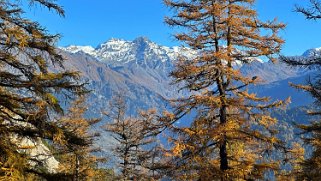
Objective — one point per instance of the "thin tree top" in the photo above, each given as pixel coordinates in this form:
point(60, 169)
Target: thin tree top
point(231, 26)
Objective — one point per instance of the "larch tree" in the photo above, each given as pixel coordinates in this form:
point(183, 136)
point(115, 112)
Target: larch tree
point(311, 12)
point(310, 167)
point(136, 145)
point(231, 135)
point(28, 89)
point(75, 147)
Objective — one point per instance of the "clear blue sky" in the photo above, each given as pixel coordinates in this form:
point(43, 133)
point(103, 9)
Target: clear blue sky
point(91, 22)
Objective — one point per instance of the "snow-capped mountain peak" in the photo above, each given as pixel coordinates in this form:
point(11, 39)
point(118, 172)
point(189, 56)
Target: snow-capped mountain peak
point(142, 68)
point(75, 49)
point(113, 43)
point(141, 51)
point(312, 52)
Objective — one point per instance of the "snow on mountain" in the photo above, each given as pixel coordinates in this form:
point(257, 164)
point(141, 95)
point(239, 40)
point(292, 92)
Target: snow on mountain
point(140, 62)
point(140, 87)
point(141, 51)
point(116, 50)
point(312, 52)
point(74, 49)
point(143, 67)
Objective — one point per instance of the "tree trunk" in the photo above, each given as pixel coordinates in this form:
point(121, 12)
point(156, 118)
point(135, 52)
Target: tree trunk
point(223, 151)
point(77, 169)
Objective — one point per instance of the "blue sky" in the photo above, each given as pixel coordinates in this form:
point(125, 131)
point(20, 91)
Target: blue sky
point(91, 22)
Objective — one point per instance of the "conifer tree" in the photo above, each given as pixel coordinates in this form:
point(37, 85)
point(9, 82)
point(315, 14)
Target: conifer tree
point(311, 12)
point(76, 158)
point(310, 167)
point(136, 145)
point(28, 89)
point(232, 134)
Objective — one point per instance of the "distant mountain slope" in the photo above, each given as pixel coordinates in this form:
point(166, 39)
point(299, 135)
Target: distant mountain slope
point(103, 81)
point(141, 69)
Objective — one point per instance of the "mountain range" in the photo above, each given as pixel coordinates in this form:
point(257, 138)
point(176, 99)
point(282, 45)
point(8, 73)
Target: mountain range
point(140, 69)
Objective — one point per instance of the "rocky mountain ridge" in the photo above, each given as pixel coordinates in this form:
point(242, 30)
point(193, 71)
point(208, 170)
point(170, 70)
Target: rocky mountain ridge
point(141, 69)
